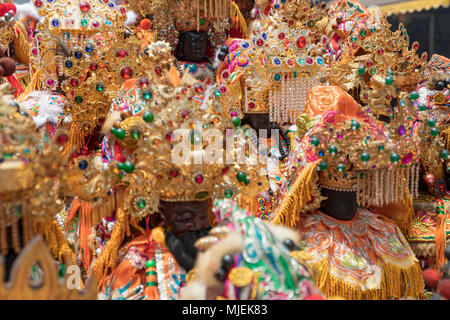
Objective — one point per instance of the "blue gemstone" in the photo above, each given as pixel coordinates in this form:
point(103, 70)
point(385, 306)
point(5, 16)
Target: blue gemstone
point(95, 198)
point(108, 22)
point(277, 61)
point(89, 48)
point(368, 137)
point(245, 45)
point(111, 5)
point(55, 22)
point(321, 153)
point(83, 164)
point(276, 6)
point(283, 1)
point(78, 54)
point(1, 160)
point(264, 35)
point(402, 103)
point(320, 61)
point(69, 64)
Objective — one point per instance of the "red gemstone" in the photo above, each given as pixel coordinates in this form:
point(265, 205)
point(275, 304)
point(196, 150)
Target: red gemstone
point(85, 6)
point(199, 178)
point(223, 89)
point(225, 170)
point(169, 136)
point(309, 60)
point(184, 91)
point(366, 96)
point(95, 24)
point(251, 105)
point(62, 139)
point(290, 62)
point(173, 173)
point(123, 10)
point(281, 36)
point(38, 3)
point(144, 82)
point(198, 88)
point(126, 73)
point(259, 42)
point(291, 22)
point(122, 53)
point(233, 114)
point(425, 56)
point(74, 82)
point(369, 63)
point(81, 36)
point(380, 51)
point(185, 114)
point(93, 66)
point(301, 42)
point(158, 70)
point(225, 75)
point(416, 46)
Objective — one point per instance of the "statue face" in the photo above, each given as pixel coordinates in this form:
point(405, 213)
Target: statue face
point(186, 216)
point(260, 121)
point(193, 46)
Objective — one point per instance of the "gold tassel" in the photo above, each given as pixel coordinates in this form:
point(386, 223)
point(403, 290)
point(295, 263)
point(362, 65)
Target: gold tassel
point(298, 196)
point(239, 20)
point(76, 142)
point(34, 85)
point(107, 260)
point(21, 45)
point(248, 203)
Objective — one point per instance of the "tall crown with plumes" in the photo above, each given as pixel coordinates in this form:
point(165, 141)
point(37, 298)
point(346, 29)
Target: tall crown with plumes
point(275, 68)
point(180, 153)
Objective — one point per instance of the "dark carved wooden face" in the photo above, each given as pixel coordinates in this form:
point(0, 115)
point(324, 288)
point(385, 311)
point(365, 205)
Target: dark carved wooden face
point(192, 46)
point(186, 216)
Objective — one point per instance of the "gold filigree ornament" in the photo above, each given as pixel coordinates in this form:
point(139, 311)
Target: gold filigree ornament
point(30, 170)
point(271, 72)
point(84, 50)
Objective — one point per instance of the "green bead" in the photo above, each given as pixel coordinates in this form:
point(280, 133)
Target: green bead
point(127, 166)
point(361, 71)
point(99, 87)
point(355, 125)
point(390, 72)
point(333, 150)
point(389, 80)
point(381, 147)
point(277, 77)
point(315, 141)
point(201, 195)
point(444, 154)
point(217, 93)
point(120, 133)
point(323, 165)
point(202, 21)
point(18, 210)
point(228, 193)
point(84, 22)
point(113, 130)
point(353, 38)
point(363, 32)
point(311, 23)
point(394, 157)
point(150, 264)
point(236, 121)
point(7, 155)
point(414, 95)
point(196, 137)
point(434, 132)
point(247, 181)
point(422, 107)
point(135, 134)
point(78, 99)
point(365, 156)
point(373, 70)
point(241, 176)
point(341, 167)
point(147, 95)
point(431, 122)
point(148, 116)
point(141, 203)
point(373, 30)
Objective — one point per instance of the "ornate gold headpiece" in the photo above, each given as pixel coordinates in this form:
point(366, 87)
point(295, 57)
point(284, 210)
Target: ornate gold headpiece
point(176, 158)
point(273, 70)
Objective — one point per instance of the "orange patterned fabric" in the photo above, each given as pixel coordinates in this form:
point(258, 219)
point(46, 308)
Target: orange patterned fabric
point(128, 280)
point(358, 253)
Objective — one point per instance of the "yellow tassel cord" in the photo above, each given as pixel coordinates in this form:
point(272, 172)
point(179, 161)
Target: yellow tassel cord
point(35, 84)
point(396, 282)
point(249, 203)
point(21, 45)
point(446, 136)
point(75, 143)
point(440, 236)
point(54, 238)
point(298, 196)
point(239, 21)
point(107, 260)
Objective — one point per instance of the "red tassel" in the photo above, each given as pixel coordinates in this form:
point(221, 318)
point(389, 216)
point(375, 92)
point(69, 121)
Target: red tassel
point(16, 85)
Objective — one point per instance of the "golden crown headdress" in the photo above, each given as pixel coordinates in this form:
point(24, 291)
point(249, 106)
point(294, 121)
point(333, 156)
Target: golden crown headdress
point(29, 172)
point(171, 17)
point(175, 112)
point(273, 70)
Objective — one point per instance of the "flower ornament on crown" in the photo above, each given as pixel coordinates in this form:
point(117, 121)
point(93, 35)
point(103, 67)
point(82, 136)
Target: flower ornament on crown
point(175, 158)
point(284, 57)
